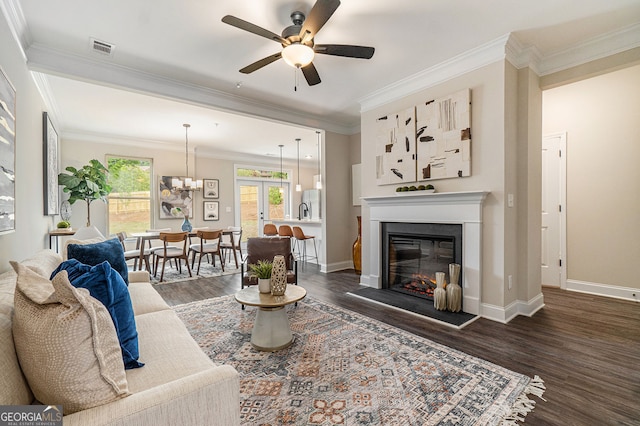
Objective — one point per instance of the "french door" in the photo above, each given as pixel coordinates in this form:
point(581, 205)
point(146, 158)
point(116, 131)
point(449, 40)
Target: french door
point(260, 202)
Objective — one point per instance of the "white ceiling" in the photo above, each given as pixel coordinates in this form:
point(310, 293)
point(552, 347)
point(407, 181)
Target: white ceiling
point(175, 62)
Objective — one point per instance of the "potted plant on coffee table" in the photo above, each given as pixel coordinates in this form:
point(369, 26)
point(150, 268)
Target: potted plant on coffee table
point(262, 271)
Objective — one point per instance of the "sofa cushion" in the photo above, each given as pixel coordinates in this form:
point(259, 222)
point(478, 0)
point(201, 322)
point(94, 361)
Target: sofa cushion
point(66, 343)
point(168, 350)
point(106, 285)
point(145, 298)
point(79, 241)
point(96, 253)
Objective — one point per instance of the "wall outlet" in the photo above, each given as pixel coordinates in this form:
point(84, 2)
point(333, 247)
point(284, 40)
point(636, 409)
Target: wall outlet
point(510, 282)
point(510, 200)
point(228, 209)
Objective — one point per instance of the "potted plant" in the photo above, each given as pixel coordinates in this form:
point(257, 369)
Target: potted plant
point(87, 183)
point(262, 271)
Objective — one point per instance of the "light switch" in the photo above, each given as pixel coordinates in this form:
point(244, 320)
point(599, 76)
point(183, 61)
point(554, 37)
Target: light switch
point(228, 209)
point(510, 200)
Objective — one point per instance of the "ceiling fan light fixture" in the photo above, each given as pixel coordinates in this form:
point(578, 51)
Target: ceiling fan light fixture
point(298, 55)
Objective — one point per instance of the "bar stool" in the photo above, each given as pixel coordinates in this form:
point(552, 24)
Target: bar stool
point(299, 235)
point(270, 230)
point(286, 231)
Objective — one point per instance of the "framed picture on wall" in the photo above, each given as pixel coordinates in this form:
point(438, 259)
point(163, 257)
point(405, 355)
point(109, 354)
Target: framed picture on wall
point(210, 210)
point(51, 165)
point(7, 154)
point(171, 199)
point(210, 187)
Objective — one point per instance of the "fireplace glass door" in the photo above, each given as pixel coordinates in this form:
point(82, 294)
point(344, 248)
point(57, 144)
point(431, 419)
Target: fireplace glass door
point(415, 252)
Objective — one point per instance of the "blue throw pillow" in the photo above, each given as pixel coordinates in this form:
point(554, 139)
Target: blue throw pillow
point(106, 285)
point(96, 253)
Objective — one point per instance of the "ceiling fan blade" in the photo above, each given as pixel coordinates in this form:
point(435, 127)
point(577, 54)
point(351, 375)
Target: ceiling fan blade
point(347, 50)
point(318, 16)
point(252, 28)
point(311, 74)
point(261, 63)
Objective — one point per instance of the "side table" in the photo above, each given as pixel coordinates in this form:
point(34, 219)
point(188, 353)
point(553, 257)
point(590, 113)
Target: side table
point(271, 330)
point(57, 233)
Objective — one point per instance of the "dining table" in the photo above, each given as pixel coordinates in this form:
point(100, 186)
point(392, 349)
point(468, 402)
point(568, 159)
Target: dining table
point(143, 237)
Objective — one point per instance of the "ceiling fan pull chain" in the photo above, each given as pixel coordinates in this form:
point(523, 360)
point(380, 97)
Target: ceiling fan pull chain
point(295, 79)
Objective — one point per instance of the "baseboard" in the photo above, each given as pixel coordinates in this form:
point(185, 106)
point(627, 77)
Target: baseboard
point(606, 290)
point(513, 309)
point(337, 266)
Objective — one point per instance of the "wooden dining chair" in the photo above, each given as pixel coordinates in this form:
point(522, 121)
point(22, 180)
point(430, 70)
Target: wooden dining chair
point(209, 244)
point(134, 254)
point(233, 244)
point(172, 252)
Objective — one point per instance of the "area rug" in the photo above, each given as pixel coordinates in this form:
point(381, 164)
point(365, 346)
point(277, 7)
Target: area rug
point(347, 369)
point(207, 270)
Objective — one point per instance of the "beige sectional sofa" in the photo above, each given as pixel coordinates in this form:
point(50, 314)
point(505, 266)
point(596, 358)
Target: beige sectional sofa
point(179, 384)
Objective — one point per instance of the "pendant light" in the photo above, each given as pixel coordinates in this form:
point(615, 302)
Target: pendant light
point(189, 183)
point(298, 186)
point(281, 188)
point(319, 181)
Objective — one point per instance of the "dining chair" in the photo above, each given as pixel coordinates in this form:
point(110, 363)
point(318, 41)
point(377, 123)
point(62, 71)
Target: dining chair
point(233, 244)
point(301, 238)
point(134, 254)
point(270, 230)
point(172, 252)
point(209, 244)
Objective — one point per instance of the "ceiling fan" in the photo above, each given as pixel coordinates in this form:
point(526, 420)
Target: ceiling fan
point(297, 41)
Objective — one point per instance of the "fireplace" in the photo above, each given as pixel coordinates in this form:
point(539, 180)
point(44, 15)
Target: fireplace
point(412, 253)
point(457, 208)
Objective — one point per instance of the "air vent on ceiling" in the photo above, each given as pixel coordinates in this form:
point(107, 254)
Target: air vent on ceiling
point(101, 47)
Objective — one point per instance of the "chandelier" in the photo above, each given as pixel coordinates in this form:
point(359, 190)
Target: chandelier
point(186, 183)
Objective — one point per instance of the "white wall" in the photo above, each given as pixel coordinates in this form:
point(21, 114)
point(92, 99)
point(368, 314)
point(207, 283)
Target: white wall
point(487, 86)
point(600, 116)
point(31, 225)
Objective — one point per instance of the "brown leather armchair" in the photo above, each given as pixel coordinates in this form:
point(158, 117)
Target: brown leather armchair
point(266, 249)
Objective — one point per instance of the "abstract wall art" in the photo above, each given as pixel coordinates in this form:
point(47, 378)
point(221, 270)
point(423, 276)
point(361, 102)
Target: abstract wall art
point(210, 188)
point(396, 148)
point(443, 137)
point(7, 154)
point(51, 165)
point(171, 199)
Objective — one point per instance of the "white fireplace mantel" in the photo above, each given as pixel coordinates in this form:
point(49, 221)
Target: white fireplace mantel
point(463, 208)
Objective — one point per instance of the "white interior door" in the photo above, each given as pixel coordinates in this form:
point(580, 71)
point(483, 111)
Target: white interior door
point(553, 210)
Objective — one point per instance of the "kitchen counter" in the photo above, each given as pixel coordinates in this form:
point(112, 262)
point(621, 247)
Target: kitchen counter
point(298, 221)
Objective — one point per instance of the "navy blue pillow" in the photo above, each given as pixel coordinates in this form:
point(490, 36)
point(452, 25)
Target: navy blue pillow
point(96, 253)
point(106, 285)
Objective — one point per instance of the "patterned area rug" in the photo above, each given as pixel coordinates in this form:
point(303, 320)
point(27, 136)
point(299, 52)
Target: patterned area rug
point(346, 369)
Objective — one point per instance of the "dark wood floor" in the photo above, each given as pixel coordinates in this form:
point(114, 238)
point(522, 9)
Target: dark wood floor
point(586, 348)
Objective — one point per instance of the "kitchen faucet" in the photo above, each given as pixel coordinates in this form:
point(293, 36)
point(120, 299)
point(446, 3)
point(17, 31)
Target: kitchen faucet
point(304, 212)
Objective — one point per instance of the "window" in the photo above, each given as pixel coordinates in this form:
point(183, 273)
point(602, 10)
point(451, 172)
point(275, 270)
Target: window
point(130, 198)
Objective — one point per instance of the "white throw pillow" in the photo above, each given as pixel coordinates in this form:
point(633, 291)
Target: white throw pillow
point(66, 343)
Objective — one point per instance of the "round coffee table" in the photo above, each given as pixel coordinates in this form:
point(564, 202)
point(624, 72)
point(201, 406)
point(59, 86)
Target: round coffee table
point(271, 329)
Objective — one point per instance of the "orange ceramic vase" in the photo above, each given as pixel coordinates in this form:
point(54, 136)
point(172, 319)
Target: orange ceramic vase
point(357, 249)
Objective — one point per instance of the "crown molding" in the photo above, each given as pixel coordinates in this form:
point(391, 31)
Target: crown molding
point(42, 83)
point(521, 56)
point(17, 23)
point(65, 64)
point(478, 57)
point(596, 48)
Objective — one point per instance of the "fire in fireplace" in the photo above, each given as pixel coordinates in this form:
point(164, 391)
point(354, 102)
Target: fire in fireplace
point(412, 253)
